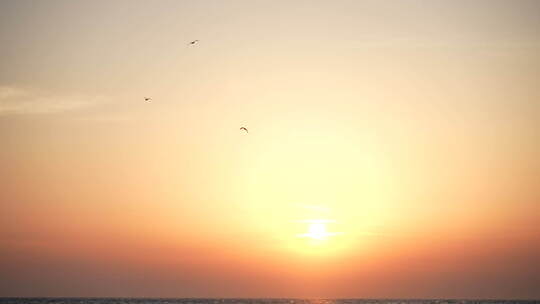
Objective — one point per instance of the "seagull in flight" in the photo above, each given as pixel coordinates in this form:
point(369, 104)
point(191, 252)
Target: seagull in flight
point(147, 99)
point(193, 42)
point(244, 128)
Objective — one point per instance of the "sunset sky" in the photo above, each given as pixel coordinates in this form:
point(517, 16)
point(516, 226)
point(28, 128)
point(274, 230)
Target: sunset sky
point(393, 148)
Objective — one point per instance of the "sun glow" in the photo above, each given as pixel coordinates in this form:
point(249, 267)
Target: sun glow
point(317, 230)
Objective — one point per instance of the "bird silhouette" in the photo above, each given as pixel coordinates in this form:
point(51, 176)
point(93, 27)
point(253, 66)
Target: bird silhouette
point(244, 128)
point(147, 99)
point(193, 42)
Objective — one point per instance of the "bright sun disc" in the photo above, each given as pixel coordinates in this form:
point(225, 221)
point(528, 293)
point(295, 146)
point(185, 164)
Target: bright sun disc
point(317, 230)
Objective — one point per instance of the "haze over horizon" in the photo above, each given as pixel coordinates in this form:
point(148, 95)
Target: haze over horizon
point(393, 149)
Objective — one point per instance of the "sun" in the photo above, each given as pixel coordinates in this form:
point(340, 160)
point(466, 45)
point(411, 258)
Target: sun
point(317, 230)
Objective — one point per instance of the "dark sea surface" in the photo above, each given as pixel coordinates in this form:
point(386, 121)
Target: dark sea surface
point(250, 301)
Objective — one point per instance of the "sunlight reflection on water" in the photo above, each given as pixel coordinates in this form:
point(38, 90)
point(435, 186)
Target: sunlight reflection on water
point(248, 301)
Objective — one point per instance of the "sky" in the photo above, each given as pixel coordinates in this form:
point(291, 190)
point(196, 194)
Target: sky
point(392, 149)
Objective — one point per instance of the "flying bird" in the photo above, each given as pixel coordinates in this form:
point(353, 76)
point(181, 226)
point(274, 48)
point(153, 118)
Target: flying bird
point(147, 99)
point(244, 128)
point(193, 42)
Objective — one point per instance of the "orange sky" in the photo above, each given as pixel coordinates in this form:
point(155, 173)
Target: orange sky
point(392, 149)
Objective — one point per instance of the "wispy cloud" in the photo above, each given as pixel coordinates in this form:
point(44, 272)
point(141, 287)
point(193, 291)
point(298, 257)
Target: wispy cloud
point(17, 100)
point(452, 42)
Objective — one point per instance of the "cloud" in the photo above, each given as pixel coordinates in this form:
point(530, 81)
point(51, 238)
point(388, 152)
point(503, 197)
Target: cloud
point(448, 42)
point(16, 101)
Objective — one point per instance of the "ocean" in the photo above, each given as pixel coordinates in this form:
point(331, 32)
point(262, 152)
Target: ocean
point(250, 301)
